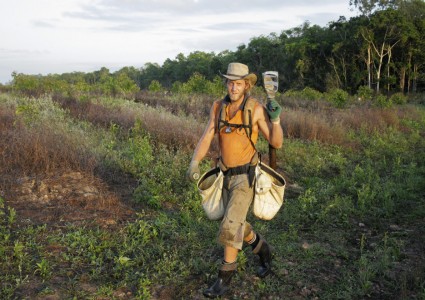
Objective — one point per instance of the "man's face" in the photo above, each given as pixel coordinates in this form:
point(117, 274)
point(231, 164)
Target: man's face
point(236, 89)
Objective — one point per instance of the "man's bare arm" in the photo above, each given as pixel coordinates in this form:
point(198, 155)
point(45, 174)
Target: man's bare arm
point(204, 143)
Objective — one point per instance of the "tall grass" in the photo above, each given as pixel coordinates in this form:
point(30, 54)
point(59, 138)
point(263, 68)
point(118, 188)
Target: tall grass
point(33, 142)
point(161, 124)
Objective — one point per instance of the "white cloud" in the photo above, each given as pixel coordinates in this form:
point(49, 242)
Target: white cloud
point(51, 36)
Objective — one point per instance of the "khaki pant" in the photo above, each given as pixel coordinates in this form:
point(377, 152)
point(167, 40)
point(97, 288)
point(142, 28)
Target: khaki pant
point(237, 197)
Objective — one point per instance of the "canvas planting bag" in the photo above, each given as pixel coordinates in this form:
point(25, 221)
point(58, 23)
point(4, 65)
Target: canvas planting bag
point(269, 192)
point(210, 186)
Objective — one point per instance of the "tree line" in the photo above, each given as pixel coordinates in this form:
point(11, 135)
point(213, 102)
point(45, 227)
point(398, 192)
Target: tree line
point(381, 49)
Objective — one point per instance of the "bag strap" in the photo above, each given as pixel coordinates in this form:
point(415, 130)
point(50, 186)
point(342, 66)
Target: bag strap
point(248, 107)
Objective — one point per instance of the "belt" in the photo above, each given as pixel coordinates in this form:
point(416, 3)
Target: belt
point(244, 169)
point(237, 170)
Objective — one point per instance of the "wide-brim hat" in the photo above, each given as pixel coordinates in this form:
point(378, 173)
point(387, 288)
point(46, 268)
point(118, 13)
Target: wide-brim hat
point(238, 71)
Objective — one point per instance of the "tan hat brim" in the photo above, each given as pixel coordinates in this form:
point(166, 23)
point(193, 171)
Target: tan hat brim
point(251, 77)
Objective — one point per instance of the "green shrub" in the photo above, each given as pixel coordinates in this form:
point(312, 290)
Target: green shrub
point(292, 94)
point(176, 87)
point(28, 113)
point(307, 93)
point(364, 93)
point(26, 84)
point(398, 98)
point(216, 87)
point(338, 97)
point(197, 83)
point(382, 101)
point(311, 94)
point(155, 86)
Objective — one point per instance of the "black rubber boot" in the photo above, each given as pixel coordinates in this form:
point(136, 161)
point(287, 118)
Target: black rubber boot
point(264, 252)
point(221, 285)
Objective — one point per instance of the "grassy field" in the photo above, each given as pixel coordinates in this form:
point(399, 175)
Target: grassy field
point(94, 203)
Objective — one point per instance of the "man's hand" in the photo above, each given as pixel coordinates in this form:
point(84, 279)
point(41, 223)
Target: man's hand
point(193, 172)
point(273, 110)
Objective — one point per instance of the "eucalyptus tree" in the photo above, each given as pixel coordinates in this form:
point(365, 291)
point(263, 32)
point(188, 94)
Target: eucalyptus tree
point(393, 39)
point(346, 73)
point(412, 56)
point(384, 32)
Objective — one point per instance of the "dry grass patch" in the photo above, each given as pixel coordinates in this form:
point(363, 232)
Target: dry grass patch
point(313, 127)
point(332, 125)
point(369, 119)
point(162, 126)
point(39, 150)
point(96, 113)
point(170, 130)
point(49, 178)
point(196, 106)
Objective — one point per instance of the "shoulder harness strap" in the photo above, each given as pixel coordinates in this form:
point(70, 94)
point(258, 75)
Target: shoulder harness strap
point(247, 110)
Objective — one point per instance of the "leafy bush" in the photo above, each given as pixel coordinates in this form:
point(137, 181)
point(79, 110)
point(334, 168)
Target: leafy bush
point(155, 86)
point(28, 84)
point(307, 93)
point(198, 84)
point(36, 85)
point(311, 94)
point(365, 93)
point(177, 87)
point(292, 94)
point(398, 98)
point(338, 97)
point(382, 101)
point(217, 87)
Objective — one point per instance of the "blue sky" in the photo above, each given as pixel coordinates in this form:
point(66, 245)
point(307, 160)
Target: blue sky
point(58, 36)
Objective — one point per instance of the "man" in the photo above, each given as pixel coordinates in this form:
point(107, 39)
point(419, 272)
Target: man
point(237, 158)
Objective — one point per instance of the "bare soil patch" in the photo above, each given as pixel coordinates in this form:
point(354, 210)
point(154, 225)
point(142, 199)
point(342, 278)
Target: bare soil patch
point(69, 197)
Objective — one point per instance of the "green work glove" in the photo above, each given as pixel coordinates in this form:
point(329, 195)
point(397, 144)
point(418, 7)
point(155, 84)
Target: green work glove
point(193, 172)
point(273, 110)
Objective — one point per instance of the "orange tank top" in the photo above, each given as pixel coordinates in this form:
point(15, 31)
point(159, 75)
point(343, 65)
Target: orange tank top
point(236, 149)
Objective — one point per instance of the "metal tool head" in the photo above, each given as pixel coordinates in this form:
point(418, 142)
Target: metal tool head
point(271, 82)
